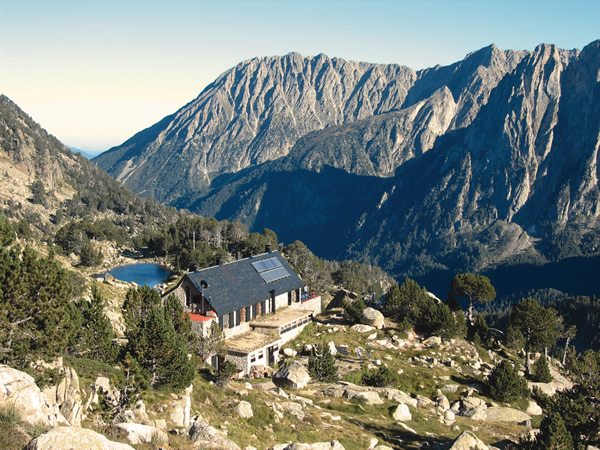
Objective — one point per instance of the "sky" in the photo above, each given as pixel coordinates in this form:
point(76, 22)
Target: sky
point(94, 73)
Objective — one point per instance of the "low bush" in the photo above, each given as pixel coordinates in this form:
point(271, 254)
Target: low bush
point(382, 377)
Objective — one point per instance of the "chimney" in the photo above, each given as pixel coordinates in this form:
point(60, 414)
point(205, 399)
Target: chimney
point(268, 248)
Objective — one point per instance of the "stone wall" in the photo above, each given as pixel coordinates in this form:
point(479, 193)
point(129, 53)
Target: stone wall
point(241, 360)
point(241, 328)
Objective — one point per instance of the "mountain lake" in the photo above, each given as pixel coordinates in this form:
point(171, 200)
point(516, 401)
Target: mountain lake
point(142, 274)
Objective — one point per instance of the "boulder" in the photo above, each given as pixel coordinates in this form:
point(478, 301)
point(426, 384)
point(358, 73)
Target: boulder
point(61, 438)
point(332, 349)
point(244, 410)
point(19, 388)
point(442, 402)
point(468, 441)
point(67, 396)
point(294, 409)
point(142, 434)
point(503, 414)
point(137, 414)
point(294, 376)
point(373, 318)
point(111, 395)
point(534, 409)
point(449, 417)
point(333, 445)
point(402, 413)
point(109, 279)
point(289, 352)
point(205, 436)
point(450, 388)
point(433, 340)
point(181, 408)
point(367, 397)
point(399, 396)
point(360, 328)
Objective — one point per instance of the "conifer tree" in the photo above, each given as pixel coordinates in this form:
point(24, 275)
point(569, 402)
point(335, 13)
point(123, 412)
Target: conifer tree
point(7, 233)
point(539, 326)
point(154, 343)
point(505, 383)
point(476, 288)
point(321, 364)
point(94, 336)
point(541, 370)
point(34, 297)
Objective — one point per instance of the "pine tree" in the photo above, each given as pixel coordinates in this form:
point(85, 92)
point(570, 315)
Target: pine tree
point(34, 297)
point(94, 336)
point(476, 288)
point(321, 364)
point(159, 349)
point(137, 304)
point(553, 434)
point(541, 371)
point(505, 383)
point(7, 233)
point(539, 326)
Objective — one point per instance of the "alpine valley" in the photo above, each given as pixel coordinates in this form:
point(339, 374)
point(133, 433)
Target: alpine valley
point(487, 165)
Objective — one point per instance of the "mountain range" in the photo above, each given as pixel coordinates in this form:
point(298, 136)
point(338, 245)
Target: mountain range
point(489, 163)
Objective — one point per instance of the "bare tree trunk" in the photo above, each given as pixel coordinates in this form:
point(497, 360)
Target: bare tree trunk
point(564, 360)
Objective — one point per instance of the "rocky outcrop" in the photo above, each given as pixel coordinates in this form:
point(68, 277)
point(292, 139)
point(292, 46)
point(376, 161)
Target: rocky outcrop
point(205, 436)
point(181, 408)
point(67, 396)
point(333, 445)
point(244, 410)
point(292, 376)
point(19, 388)
point(142, 434)
point(402, 413)
point(62, 438)
point(468, 441)
point(504, 414)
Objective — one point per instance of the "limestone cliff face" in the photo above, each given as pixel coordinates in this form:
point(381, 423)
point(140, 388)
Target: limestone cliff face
point(462, 166)
point(258, 110)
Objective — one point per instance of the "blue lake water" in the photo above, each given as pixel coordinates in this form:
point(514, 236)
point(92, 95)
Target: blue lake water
point(149, 274)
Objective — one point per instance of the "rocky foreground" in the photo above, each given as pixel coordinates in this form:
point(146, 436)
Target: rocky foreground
point(447, 408)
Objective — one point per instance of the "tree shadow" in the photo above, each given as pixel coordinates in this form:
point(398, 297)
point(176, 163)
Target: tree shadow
point(402, 439)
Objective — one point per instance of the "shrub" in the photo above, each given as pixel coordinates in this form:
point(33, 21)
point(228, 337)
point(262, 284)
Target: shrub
point(381, 377)
point(9, 413)
point(226, 371)
point(505, 383)
point(541, 371)
point(353, 310)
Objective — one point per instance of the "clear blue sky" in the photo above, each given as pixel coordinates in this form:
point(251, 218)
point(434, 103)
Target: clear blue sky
point(93, 73)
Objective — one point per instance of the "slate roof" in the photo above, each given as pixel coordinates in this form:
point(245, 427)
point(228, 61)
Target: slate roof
point(238, 284)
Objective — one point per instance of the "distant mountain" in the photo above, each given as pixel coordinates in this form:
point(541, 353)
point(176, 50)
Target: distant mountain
point(88, 155)
point(490, 161)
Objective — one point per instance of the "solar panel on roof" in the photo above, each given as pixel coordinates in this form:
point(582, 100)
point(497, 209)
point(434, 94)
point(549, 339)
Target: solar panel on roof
point(274, 274)
point(266, 264)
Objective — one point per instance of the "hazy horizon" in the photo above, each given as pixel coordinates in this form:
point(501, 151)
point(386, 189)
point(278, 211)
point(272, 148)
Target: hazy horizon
point(95, 73)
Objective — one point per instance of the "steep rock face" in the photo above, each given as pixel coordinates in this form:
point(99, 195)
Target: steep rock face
point(516, 180)
point(526, 164)
point(258, 110)
point(253, 113)
point(493, 159)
